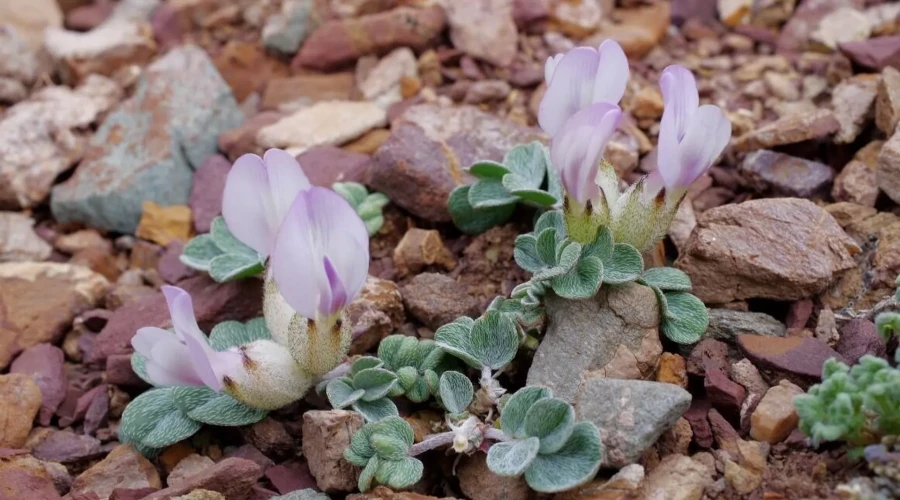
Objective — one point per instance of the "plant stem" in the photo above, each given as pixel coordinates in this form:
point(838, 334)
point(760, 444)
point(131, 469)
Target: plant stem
point(431, 442)
point(495, 434)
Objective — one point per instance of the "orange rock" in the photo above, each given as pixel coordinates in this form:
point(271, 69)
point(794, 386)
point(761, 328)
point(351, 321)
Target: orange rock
point(370, 142)
point(639, 29)
point(672, 370)
point(20, 400)
point(775, 417)
point(420, 248)
point(161, 225)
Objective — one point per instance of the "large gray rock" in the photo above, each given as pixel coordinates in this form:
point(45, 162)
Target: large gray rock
point(725, 325)
point(147, 149)
point(615, 335)
point(631, 414)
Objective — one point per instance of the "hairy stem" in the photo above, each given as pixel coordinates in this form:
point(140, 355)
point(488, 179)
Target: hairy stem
point(431, 442)
point(496, 434)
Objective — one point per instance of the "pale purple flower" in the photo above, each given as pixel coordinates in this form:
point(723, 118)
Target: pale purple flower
point(578, 146)
point(691, 136)
point(258, 194)
point(321, 256)
point(581, 77)
point(185, 358)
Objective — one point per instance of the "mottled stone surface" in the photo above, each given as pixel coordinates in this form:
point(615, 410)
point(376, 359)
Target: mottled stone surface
point(19, 241)
point(20, 400)
point(232, 477)
point(325, 436)
point(615, 334)
point(786, 175)
point(800, 357)
point(124, 467)
point(631, 414)
point(45, 363)
point(147, 148)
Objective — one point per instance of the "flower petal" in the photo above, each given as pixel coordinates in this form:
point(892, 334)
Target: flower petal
point(612, 73)
point(247, 204)
point(181, 309)
point(320, 224)
point(550, 67)
point(577, 148)
point(170, 363)
point(145, 338)
point(679, 90)
point(210, 365)
point(708, 133)
point(570, 89)
point(286, 179)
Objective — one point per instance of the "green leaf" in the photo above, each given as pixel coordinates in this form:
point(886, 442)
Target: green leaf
point(229, 267)
point(490, 193)
point(372, 206)
point(454, 339)
point(389, 447)
point(224, 411)
point(552, 421)
point(399, 474)
point(512, 458)
point(364, 363)
point(407, 377)
point(475, 221)
point(535, 197)
point(624, 265)
point(373, 224)
point(554, 183)
point(582, 281)
point(307, 494)
point(397, 428)
point(228, 243)
point(419, 392)
point(576, 463)
point(199, 252)
point(368, 474)
point(187, 398)
point(554, 219)
point(431, 381)
point(512, 418)
point(139, 366)
point(354, 192)
point(456, 392)
point(360, 447)
point(568, 258)
point(228, 334)
point(376, 382)
point(401, 350)
point(547, 244)
point(494, 340)
point(601, 247)
point(154, 420)
point(667, 279)
point(341, 394)
point(686, 318)
point(529, 162)
point(373, 411)
point(487, 169)
point(526, 253)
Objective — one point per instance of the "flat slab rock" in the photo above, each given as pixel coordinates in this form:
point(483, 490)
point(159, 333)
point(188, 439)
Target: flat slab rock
point(776, 248)
point(614, 334)
point(631, 414)
point(796, 357)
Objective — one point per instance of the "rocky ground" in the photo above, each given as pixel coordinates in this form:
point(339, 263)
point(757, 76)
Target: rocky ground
point(118, 122)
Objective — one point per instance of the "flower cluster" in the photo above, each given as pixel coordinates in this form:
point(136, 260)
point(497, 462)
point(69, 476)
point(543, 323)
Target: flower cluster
point(318, 258)
point(580, 111)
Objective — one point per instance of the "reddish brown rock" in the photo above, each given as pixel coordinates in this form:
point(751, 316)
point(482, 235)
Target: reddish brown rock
point(232, 477)
point(796, 35)
point(374, 314)
point(476, 481)
point(709, 354)
point(20, 400)
point(858, 338)
point(782, 249)
point(65, 447)
point(789, 130)
point(170, 267)
point(23, 477)
point(420, 248)
point(858, 180)
point(242, 139)
point(801, 357)
point(291, 476)
point(45, 363)
point(269, 436)
point(887, 170)
point(875, 53)
point(887, 102)
point(338, 42)
point(437, 299)
point(325, 165)
point(124, 468)
point(384, 493)
point(213, 303)
point(697, 418)
point(785, 175)
point(483, 29)
point(119, 372)
point(637, 29)
point(41, 300)
point(325, 436)
point(206, 194)
point(725, 395)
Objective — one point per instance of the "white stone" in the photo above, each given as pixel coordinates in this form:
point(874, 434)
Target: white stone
point(382, 84)
point(329, 123)
point(18, 241)
point(842, 25)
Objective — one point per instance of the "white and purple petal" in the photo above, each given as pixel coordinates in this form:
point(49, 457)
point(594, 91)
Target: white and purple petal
point(578, 147)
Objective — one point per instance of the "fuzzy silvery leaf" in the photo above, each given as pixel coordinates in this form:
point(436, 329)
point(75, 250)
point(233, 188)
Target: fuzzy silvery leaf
point(554, 182)
point(582, 281)
point(601, 247)
point(494, 340)
point(367, 477)
point(624, 265)
point(547, 245)
point(364, 363)
point(419, 391)
point(373, 224)
point(686, 318)
point(552, 421)
point(389, 447)
point(376, 382)
point(139, 366)
point(526, 253)
point(341, 394)
point(475, 221)
point(227, 242)
point(199, 252)
point(487, 169)
point(536, 197)
point(490, 193)
point(154, 420)
point(568, 254)
point(433, 358)
point(399, 474)
point(456, 392)
point(307, 494)
point(229, 267)
point(529, 161)
point(224, 411)
point(667, 279)
point(576, 463)
point(397, 428)
point(406, 377)
point(360, 447)
point(432, 381)
point(454, 339)
point(512, 418)
point(354, 192)
point(398, 351)
point(661, 299)
point(372, 206)
point(228, 334)
point(373, 411)
point(512, 458)
point(554, 219)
